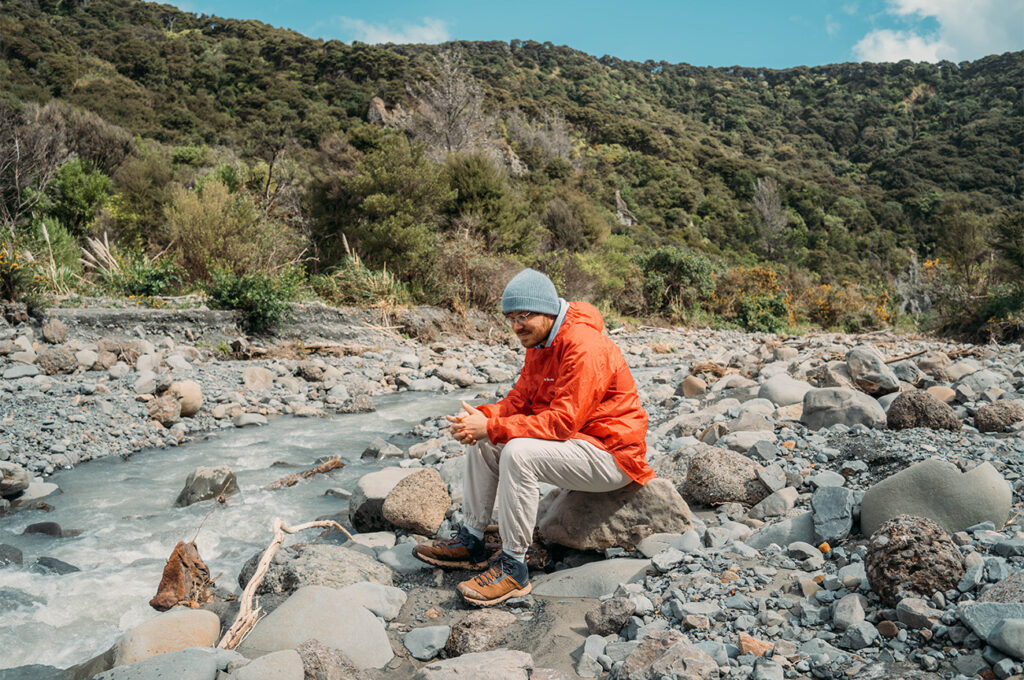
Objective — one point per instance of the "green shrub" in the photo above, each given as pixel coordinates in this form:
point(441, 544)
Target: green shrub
point(762, 313)
point(353, 283)
point(140, 275)
point(19, 279)
point(261, 298)
point(76, 193)
point(675, 277)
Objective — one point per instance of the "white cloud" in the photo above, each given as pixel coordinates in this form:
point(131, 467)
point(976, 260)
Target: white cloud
point(966, 30)
point(427, 31)
point(831, 26)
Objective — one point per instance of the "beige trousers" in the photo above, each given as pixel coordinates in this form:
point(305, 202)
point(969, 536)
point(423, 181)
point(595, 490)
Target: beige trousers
point(512, 472)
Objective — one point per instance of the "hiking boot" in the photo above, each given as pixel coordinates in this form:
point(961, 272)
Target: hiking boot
point(507, 577)
point(464, 551)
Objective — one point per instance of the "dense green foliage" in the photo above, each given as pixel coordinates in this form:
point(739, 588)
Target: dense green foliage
point(255, 147)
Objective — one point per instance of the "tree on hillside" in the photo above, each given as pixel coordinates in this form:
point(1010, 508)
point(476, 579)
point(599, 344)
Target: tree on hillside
point(32, 148)
point(964, 241)
point(449, 116)
point(1009, 241)
point(773, 219)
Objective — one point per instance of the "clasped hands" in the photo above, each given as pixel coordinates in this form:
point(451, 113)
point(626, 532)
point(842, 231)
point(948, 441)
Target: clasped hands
point(468, 426)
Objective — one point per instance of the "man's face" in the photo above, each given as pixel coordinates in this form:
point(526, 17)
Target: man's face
point(531, 328)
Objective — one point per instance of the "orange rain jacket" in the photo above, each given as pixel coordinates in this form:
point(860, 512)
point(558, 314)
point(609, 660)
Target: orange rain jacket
point(578, 388)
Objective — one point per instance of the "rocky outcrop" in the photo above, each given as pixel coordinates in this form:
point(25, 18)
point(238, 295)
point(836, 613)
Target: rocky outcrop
point(620, 518)
point(911, 556)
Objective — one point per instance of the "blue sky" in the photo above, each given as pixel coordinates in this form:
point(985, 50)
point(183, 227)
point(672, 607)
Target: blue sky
point(773, 34)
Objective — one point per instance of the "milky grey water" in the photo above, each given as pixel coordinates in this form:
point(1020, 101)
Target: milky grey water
point(125, 510)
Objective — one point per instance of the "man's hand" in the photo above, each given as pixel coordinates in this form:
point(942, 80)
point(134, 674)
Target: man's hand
point(469, 426)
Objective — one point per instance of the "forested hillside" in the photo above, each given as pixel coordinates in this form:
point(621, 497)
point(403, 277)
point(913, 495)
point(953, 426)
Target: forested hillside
point(836, 195)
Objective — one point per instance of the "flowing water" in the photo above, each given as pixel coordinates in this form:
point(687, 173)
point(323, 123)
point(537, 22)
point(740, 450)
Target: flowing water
point(125, 511)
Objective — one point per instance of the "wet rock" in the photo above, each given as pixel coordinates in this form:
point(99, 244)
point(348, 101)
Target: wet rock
point(722, 476)
point(51, 565)
point(9, 554)
point(610, 616)
point(379, 448)
point(189, 395)
point(418, 502)
point(502, 664)
point(205, 483)
point(49, 529)
point(318, 564)
point(620, 518)
point(14, 479)
point(920, 409)
point(326, 615)
point(54, 331)
point(667, 653)
point(998, 416)
point(425, 643)
point(249, 420)
point(166, 410)
point(57, 360)
point(185, 579)
point(938, 490)
point(168, 632)
point(479, 631)
point(911, 555)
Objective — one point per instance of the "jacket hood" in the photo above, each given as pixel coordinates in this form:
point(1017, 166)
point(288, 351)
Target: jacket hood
point(584, 313)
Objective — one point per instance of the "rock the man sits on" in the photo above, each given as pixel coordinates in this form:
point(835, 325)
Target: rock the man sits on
point(573, 419)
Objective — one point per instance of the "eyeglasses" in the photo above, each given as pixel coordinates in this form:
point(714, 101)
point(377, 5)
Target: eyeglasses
point(518, 319)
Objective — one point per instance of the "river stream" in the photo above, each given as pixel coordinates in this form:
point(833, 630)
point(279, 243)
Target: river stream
point(129, 523)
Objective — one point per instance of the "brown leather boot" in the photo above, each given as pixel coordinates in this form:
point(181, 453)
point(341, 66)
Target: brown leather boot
point(464, 551)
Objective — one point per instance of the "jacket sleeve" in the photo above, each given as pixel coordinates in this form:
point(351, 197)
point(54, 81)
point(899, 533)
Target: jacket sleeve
point(583, 378)
point(513, 402)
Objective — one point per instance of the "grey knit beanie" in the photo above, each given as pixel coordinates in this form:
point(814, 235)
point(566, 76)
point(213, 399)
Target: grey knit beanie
point(530, 291)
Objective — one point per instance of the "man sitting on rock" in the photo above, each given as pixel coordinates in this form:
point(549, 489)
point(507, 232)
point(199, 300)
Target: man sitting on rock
point(573, 419)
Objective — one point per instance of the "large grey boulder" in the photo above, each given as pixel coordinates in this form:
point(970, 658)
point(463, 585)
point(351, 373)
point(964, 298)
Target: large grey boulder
point(502, 664)
point(783, 390)
point(869, 373)
point(324, 614)
point(674, 465)
point(979, 381)
point(936, 489)
point(593, 579)
point(830, 406)
point(620, 518)
point(418, 502)
point(722, 476)
point(14, 479)
point(365, 506)
point(205, 483)
point(320, 564)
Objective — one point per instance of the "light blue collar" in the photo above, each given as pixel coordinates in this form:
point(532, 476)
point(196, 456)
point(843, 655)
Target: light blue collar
point(563, 307)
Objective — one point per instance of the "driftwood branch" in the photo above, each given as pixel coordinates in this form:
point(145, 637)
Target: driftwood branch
point(248, 611)
point(292, 479)
point(909, 356)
